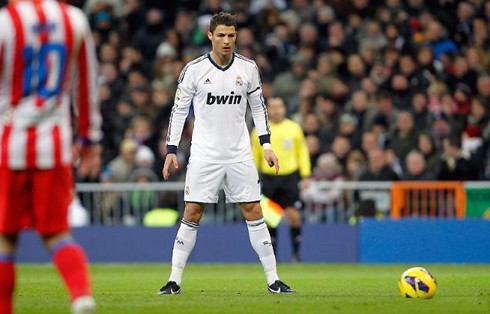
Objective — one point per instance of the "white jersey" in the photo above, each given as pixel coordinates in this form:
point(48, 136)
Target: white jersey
point(219, 96)
point(46, 52)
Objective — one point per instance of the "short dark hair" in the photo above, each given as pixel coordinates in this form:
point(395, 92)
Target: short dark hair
point(222, 18)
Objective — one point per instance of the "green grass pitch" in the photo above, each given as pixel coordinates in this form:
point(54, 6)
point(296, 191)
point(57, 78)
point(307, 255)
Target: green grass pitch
point(241, 288)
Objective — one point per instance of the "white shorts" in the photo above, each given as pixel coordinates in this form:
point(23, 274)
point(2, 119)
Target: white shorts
point(240, 181)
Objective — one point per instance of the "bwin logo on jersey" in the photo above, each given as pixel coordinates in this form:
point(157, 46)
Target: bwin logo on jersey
point(223, 99)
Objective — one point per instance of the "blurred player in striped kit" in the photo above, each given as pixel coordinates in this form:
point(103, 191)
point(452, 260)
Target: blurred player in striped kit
point(47, 58)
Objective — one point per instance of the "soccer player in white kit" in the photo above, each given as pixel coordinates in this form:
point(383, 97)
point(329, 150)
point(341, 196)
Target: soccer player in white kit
point(219, 84)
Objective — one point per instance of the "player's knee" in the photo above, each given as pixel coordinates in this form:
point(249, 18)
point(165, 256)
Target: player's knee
point(8, 244)
point(51, 240)
point(251, 211)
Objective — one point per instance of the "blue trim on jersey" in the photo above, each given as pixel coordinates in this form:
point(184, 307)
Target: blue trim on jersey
point(7, 258)
point(221, 68)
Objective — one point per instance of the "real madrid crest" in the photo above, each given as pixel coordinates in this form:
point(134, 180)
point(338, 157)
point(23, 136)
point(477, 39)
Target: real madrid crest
point(239, 81)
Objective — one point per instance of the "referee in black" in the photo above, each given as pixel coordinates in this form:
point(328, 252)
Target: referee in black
point(289, 145)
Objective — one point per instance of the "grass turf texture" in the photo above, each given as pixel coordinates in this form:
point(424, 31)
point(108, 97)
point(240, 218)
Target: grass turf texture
point(241, 288)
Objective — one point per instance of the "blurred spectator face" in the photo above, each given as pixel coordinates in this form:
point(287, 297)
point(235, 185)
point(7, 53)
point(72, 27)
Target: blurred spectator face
point(136, 78)
point(245, 37)
point(376, 160)
point(327, 165)
point(460, 67)
point(140, 96)
point(308, 34)
point(360, 4)
point(435, 30)
point(425, 56)
point(415, 163)
point(449, 149)
point(282, 32)
point(109, 72)
point(465, 11)
point(391, 32)
point(104, 92)
point(355, 164)
point(425, 144)
point(399, 83)
point(127, 150)
point(154, 17)
point(325, 15)
point(339, 89)
point(160, 98)
point(368, 56)
point(385, 106)
point(144, 157)
point(325, 105)
point(479, 29)
point(483, 86)
point(267, 90)
point(324, 65)
point(419, 102)
point(108, 53)
point(369, 141)
point(341, 146)
point(369, 86)
point(124, 108)
point(415, 3)
point(391, 57)
point(355, 21)
point(311, 125)
point(473, 58)
point(355, 65)
point(307, 89)
point(359, 101)
point(372, 29)
point(348, 126)
point(276, 109)
point(336, 34)
point(407, 65)
point(404, 122)
point(313, 144)
point(390, 156)
point(140, 129)
point(477, 108)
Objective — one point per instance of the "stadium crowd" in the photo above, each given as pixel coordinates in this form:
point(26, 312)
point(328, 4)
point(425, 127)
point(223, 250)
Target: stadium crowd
point(389, 89)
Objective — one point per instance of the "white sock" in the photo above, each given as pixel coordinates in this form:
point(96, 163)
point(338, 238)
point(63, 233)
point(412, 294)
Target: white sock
point(183, 245)
point(261, 242)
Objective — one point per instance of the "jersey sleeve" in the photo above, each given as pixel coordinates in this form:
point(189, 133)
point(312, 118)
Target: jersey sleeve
point(303, 154)
point(85, 88)
point(183, 99)
point(257, 105)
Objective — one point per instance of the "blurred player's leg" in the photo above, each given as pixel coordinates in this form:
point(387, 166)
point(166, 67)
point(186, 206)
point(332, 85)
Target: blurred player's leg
point(183, 246)
point(7, 273)
point(51, 221)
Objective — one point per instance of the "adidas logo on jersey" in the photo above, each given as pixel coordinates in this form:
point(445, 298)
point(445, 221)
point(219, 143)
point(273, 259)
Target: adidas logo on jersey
point(223, 99)
point(207, 81)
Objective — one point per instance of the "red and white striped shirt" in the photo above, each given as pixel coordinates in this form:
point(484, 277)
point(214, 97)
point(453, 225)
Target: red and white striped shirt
point(47, 60)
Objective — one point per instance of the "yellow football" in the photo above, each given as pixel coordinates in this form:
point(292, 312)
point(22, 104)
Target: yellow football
point(417, 282)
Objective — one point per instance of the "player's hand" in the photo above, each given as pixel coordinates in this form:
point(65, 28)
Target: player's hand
point(271, 159)
point(88, 156)
point(170, 160)
point(305, 183)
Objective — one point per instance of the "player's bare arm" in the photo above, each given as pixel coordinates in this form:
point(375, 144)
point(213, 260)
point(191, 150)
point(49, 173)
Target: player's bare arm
point(170, 160)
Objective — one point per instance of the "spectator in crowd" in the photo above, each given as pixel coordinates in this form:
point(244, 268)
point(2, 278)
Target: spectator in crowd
point(417, 168)
point(456, 166)
point(426, 146)
point(370, 59)
point(377, 169)
point(404, 138)
point(123, 164)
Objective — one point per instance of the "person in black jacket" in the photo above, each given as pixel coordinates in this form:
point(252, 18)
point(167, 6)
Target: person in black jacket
point(456, 166)
point(378, 170)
